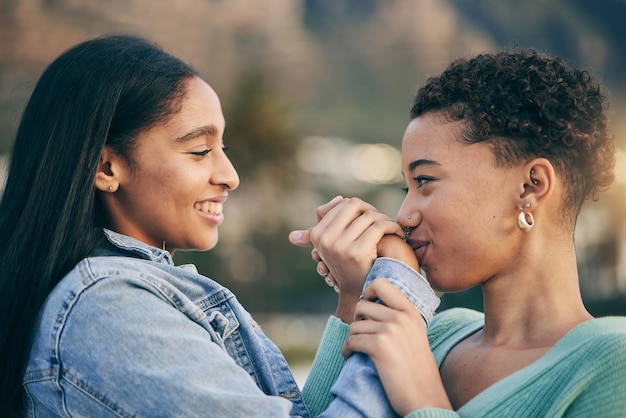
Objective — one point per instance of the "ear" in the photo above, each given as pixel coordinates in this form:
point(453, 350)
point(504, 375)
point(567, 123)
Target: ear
point(539, 182)
point(110, 170)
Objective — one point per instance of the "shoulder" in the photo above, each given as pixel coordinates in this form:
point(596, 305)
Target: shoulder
point(595, 349)
point(93, 277)
point(610, 328)
point(162, 279)
point(114, 288)
point(601, 336)
point(614, 325)
point(452, 326)
point(454, 319)
point(592, 357)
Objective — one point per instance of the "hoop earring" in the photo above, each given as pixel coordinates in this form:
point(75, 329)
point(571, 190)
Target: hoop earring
point(523, 223)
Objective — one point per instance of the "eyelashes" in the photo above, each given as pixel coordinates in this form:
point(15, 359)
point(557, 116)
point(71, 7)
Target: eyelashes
point(206, 152)
point(201, 153)
point(421, 181)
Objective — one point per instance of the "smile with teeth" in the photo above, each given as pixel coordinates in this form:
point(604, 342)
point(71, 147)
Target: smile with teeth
point(212, 208)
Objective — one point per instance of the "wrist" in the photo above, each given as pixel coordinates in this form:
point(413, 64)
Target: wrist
point(345, 307)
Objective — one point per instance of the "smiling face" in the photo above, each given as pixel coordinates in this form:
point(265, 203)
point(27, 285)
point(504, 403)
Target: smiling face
point(462, 206)
point(179, 180)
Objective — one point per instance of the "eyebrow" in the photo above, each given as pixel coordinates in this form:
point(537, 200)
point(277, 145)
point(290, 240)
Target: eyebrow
point(210, 130)
point(414, 164)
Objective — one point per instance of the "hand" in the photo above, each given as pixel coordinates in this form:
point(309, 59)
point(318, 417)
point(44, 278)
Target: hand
point(303, 239)
point(345, 241)
point(394, 336)
point(389, 246)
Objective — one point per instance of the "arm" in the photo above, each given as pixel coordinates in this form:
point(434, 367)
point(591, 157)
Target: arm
point(326, 366)
point(394, 337)
point(358, 390)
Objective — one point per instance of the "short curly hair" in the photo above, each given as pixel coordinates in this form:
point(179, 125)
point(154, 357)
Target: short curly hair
point(528, 104)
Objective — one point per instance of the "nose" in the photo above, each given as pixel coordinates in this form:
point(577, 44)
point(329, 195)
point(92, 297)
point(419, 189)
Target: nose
point(407, 217)
point(224, 173)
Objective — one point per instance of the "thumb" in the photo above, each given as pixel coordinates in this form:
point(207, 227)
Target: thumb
point(301, 238)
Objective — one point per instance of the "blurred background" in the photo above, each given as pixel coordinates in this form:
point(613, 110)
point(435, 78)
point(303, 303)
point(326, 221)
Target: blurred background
point(316, 96)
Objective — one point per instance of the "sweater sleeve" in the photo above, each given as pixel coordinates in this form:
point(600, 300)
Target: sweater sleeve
point(326, 366)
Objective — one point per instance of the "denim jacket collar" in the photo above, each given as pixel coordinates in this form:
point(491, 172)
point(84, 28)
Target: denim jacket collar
point(123, 244)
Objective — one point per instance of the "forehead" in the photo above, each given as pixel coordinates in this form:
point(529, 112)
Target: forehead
point(433, 137)
point(199, 119)
point(200, 106)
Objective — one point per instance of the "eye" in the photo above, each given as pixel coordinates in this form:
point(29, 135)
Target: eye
point(200, 153)
point(421, 180)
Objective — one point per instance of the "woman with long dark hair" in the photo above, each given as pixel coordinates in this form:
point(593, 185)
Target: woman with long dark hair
point(118, 161)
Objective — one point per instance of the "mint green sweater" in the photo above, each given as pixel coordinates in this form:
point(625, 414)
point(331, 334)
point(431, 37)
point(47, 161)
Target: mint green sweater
point(583, 375)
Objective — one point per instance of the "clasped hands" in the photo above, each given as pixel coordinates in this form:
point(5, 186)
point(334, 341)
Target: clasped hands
point(350, 234)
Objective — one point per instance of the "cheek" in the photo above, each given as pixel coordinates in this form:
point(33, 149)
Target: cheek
point(165, 181)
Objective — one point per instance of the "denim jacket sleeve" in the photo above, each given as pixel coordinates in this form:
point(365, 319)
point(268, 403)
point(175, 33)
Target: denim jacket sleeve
point(358, 392)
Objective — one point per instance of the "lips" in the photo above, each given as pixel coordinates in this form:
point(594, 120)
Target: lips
point(419, 248)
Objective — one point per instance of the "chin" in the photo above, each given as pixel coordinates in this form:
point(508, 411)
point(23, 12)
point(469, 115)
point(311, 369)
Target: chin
point(205, 244)
point(211, 243)
point(210, 246)
point(443, 285)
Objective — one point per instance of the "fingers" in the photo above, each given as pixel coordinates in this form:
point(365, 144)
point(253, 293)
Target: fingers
point(324, 271)
point(325, 208)
point(338, 220)
point(315, 255)
point(347, 227)
point(302, 238)
point(376, 324)
point(388, 294)
point(371, 320)
point(360, 338)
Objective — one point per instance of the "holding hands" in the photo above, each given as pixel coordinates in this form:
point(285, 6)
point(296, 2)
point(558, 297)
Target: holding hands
point(385, 324)
point(345, 245)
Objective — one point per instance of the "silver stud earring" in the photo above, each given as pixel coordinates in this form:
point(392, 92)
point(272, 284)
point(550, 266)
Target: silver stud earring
point(534, 180)
point(110, 188)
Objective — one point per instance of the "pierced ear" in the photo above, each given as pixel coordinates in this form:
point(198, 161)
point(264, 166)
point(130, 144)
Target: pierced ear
point(108, 172)
point(539, 181)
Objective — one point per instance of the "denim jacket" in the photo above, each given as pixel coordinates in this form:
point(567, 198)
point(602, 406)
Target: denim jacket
point(127, 333)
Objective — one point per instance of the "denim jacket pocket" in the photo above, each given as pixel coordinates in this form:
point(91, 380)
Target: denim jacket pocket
point(222, 324)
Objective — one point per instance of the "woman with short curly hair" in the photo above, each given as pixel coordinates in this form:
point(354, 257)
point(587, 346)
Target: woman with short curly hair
point(499, 155)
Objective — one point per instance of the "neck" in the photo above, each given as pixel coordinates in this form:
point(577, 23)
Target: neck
point(536, 303)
